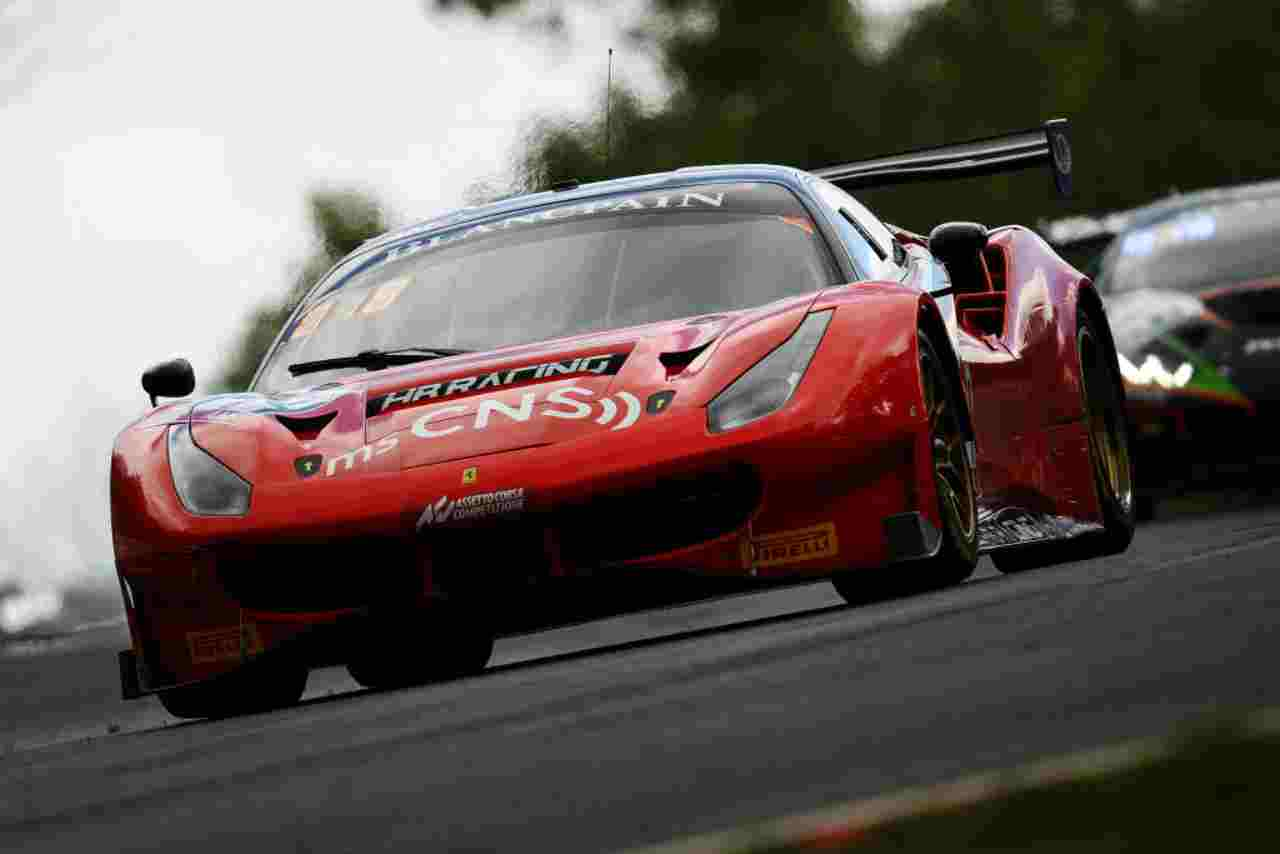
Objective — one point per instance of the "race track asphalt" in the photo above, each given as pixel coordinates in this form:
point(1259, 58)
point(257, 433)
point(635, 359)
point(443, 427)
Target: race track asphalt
point(803, 704)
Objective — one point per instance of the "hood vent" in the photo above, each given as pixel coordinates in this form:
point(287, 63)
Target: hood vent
point(308, 428)
point(677, 360)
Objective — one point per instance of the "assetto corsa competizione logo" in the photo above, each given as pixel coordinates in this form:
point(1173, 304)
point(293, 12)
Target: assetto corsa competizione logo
point(481, 505)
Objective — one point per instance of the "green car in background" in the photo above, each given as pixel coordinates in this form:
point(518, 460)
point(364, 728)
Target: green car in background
point(1192, 290)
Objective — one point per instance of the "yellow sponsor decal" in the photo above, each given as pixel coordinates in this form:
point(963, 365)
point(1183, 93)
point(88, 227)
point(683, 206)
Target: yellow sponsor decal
point(384, 296)
point(470, 475)
point(312, 319)
point(223, 644)
point(785, 547)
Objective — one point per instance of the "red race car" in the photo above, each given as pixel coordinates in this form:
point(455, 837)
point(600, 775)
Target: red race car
point(610, 396)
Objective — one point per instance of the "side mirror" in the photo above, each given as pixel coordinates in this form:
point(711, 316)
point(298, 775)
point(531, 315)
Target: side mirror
point(959, 245)
point(173, 378)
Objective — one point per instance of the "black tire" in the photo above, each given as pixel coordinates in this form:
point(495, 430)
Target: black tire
point(257, 687)
point(414, 648)
point(1110, 458)
point(956, 482)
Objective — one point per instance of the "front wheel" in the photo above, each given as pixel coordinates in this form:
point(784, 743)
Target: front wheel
point(420, 646)
point(954, 479)
point(1108, 439)
point(256, 687)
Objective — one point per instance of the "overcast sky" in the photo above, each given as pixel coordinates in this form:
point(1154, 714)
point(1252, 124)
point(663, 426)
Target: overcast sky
point(155, 159)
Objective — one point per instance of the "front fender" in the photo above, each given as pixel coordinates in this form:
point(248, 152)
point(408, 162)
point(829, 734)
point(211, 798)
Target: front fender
point(868, 370)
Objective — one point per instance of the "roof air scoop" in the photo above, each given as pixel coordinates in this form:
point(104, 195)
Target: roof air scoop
point(307, 428)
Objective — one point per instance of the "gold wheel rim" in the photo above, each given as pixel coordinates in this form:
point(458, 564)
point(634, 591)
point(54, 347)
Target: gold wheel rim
point(951, 474)
point(1108, 438)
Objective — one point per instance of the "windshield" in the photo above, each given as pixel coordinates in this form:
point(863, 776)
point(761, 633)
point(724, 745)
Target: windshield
point(1198, 250)
point(584, 266)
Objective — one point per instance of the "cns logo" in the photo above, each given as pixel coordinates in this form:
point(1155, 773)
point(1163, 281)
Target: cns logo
point(617, 411)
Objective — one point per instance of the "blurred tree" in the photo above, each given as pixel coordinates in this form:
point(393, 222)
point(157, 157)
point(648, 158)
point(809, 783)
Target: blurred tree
point(1162, 93)
point(742, 75)
point(341, 220)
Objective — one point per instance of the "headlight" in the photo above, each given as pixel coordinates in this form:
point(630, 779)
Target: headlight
point(770, 383)
point(1154, 372)
point(206, 486)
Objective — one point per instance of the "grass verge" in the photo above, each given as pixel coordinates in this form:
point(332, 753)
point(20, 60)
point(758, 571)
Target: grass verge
point(1209, 786)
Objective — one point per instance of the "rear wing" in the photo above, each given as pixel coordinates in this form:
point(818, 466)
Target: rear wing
point(1048, 145)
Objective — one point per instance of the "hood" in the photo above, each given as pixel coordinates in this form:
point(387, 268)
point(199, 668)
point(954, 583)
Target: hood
point(484, 403)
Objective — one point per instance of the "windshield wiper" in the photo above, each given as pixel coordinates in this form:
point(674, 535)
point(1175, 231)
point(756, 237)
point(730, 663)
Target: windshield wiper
point(376, 360)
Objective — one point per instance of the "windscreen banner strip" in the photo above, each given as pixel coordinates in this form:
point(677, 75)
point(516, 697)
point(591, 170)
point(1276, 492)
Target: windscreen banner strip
point(605, 364)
